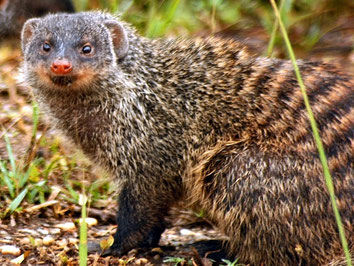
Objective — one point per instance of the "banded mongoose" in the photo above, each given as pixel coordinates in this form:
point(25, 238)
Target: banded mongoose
point(202, 121)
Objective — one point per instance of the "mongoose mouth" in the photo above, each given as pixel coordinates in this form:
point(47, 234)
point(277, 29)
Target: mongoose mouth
point(62, 80)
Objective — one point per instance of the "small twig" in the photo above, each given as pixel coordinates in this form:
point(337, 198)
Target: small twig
point(5, 130)
point(42, 205)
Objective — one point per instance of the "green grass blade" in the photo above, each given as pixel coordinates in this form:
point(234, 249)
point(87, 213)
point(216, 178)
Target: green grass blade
point(274, 33)
point(3, 168)
point(316, 134)
point(17, 201)
point(24, 177)
point(171, 11)
point(151, 26)
point(10, 153)
point(32, 195)
point(284, 9)
point(83, 233)
point(49, 168)
point(7, 180)
point(29, 173)
point(74, 195)
point(113, 6)
point(122, 7)
point(158, 23)
point(35, 118)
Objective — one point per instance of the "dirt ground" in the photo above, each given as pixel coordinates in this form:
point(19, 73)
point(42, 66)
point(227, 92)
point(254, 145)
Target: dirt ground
point(52, 241)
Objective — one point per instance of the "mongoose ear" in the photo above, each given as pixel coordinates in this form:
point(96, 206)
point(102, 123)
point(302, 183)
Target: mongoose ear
point(119, 38)
point(27, 31)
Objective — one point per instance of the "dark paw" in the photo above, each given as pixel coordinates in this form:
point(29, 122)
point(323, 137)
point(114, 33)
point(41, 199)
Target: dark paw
point(112, 251)
point(153, 238)
point(212, 249)
point(95, 247)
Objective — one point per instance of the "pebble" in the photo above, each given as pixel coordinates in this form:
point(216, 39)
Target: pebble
point(66, 226)
point(25, 241)
point(73, 240)
point(89, 221)
point(10, 250)
point(62, 243)
point(38, 242)
point(27, 110)
point(48, 240)
point(54, 231)
point(43, 231)
point(28, 231)
point(141, 261)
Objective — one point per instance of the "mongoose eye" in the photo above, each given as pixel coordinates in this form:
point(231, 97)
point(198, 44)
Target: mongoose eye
point(87, 49)
point(46, 47)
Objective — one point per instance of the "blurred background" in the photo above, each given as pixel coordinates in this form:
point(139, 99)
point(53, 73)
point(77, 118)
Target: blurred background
point(320, 26)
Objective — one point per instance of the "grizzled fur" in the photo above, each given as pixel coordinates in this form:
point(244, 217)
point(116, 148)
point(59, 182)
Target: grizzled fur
point(203, 121)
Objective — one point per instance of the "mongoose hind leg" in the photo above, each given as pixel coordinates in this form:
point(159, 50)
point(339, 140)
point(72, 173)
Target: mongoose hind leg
point(271, 205)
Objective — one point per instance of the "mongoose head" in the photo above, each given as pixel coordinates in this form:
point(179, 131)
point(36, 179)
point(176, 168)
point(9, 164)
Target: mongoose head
point(72, 51)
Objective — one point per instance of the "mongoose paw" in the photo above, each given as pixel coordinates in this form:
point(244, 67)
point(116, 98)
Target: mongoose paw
point(95, 247)
point(112, 251)
point(212, 249)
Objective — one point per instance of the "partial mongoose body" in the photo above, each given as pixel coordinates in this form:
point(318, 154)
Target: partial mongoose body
point(205, 122)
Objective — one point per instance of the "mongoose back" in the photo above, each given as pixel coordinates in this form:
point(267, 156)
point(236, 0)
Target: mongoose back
point(205, 122)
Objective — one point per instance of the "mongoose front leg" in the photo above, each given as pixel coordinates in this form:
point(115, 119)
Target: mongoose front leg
point(140, 221)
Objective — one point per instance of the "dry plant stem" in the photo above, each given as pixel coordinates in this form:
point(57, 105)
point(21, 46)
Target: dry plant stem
point(5, 130)
point(34, 142)
point(43, 205)
point(33, 147)
point(316, 134)
point(213, 17)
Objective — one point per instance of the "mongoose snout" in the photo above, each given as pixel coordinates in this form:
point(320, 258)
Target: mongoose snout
point(61, 67)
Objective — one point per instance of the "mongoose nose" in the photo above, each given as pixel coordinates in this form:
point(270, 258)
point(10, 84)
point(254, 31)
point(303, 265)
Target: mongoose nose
point(61, 67)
